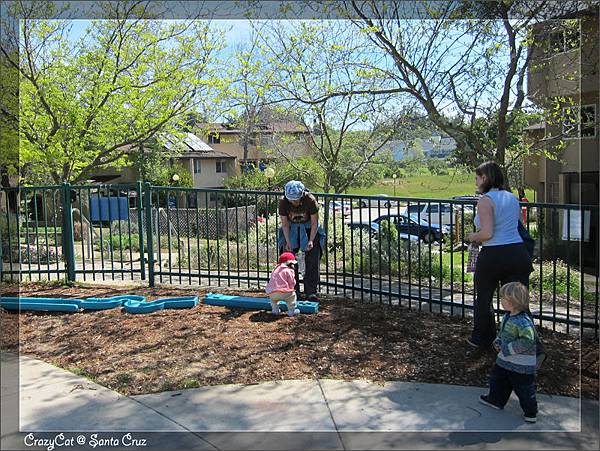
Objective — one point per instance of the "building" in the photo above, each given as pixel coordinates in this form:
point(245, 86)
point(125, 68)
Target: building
point(436, 146)
point(563, 79)
point(267, 141)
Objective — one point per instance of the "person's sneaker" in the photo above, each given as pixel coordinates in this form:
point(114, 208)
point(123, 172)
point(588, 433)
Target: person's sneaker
point(530, 419)
point(539, 360)
point(483, 399)
point(276, 311)
point(294, 312)
point(472, 343)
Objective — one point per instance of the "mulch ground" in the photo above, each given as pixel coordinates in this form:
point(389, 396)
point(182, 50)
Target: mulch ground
point(208, 345)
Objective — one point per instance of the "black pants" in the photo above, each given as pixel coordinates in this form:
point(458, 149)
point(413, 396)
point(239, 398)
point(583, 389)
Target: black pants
point(496, 264)
point(503, 382)
point(312, 273)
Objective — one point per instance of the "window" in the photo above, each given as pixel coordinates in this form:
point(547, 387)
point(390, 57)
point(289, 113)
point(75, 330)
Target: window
point(579, 122)
point(415, 208)
point(197, 165)
point(213, 138)
point(220, 166)
point(563, 40)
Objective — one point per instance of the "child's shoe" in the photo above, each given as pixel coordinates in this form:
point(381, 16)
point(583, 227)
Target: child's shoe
point(275, 310)
point(530, 419)
point(483, 399)
point(294, 312)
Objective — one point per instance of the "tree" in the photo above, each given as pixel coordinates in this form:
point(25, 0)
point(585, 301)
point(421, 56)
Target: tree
point(461, 61)
point(246, 95)
point(85, 103)
point(311, 60)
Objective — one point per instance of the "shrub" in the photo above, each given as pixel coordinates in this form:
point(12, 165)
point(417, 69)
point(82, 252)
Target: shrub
point(29, 254)
point(118, 242)
point(124, 227)
point(560, 279)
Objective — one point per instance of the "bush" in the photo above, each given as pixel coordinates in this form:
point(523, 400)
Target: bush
point(124, 227)
point(29, 254)
point(118, 242)
point(560, 279)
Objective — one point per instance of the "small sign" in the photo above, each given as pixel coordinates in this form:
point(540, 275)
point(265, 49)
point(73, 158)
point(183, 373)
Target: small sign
point(571, 229)
point(108, 209)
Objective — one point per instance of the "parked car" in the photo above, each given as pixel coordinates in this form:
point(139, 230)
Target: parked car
point(373, 229)
point(338, 207)
point(370, 227)
point(374, 203)
point(468, 207)
point(432, 210)
point(411, 226)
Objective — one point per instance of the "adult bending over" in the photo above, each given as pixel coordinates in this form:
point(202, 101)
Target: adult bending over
point(300, 231)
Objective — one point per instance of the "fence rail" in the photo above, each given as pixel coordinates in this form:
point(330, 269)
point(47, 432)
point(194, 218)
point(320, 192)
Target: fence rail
point(393, 250)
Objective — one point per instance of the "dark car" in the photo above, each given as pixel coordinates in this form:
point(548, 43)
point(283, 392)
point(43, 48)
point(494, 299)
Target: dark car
point(411, 227)
point(370, 227)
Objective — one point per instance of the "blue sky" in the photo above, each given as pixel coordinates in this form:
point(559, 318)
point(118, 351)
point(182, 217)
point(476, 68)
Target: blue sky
point(235, 30)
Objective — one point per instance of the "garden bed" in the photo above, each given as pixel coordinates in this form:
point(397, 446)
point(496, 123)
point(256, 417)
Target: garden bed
point(208, 345)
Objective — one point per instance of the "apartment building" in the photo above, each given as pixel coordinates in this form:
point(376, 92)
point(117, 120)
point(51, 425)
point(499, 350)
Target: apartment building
point(564, 79)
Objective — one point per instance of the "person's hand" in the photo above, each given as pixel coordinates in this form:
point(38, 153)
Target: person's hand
point(309, 246)
point(470, 237)
point(497, 347)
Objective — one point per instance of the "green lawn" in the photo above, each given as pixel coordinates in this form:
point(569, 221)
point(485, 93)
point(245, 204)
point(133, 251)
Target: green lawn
point(427, 186)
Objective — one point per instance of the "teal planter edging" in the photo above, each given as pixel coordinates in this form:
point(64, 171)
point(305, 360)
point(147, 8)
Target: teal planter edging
point(255, 303)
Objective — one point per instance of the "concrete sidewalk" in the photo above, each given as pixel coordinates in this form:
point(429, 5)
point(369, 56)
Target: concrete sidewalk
point(306, 414)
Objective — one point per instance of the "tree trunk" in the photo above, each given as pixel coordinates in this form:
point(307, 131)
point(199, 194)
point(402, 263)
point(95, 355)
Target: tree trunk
point(11, 195)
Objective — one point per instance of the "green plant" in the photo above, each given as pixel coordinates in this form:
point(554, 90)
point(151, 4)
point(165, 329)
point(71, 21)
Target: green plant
point(124, 227)
point(190, 383)
point(118, 242)
point(564, 280)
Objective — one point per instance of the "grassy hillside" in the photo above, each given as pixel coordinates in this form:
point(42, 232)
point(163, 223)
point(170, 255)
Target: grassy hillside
point(427, 186)
point(440, 186)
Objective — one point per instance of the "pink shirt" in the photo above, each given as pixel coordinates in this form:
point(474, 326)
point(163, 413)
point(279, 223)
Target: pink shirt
point(283, 279)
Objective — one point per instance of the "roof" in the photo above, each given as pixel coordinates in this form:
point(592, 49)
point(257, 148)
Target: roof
point(205, 155)
point(538, 126)
point(190, 146)
point(189, 142)
point(272, 127)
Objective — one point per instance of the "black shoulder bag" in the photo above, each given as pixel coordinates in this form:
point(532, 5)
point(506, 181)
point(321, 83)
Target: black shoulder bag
point(529, 242)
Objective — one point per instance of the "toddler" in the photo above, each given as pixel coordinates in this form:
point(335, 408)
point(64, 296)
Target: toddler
point(281, 286)
point(516, 362)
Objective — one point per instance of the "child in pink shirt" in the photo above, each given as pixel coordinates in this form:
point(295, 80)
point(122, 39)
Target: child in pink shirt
point(281, 286)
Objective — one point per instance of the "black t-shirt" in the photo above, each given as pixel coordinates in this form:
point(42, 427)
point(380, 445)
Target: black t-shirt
point(308, 206)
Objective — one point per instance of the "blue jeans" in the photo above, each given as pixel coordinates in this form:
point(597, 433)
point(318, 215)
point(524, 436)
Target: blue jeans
point(503, 382)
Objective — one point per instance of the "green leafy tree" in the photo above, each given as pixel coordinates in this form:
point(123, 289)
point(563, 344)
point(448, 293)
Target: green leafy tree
point(461, 62)
point(84, 104)
point(311, 60)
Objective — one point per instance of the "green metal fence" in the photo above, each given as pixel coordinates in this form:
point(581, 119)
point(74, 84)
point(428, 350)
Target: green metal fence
point(392, 250)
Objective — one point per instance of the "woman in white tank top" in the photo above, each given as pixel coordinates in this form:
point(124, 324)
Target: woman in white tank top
point(503, 257)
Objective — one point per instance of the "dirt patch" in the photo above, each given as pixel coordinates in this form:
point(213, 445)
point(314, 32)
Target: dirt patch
point(209, 345)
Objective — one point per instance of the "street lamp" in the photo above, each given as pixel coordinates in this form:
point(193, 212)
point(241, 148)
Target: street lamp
point(394, 176)
point(175, 178)
point(269, 174)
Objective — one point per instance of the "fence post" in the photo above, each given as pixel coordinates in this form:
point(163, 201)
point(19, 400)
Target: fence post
point(139, 189)
point(149, 243)
point(67, 232)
